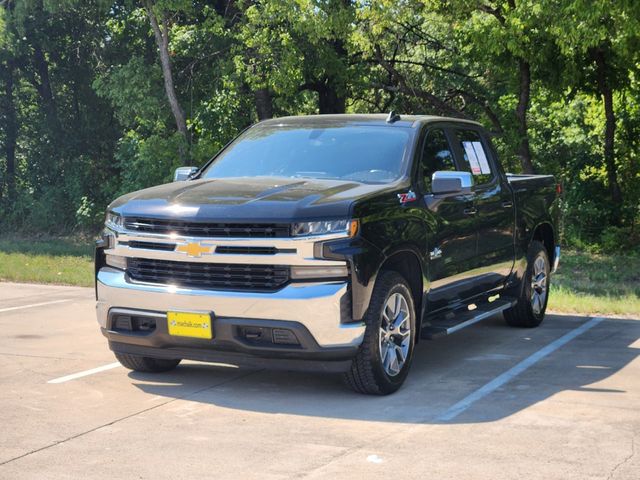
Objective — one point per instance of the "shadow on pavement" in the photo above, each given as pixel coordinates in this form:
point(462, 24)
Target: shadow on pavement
point(444, 372)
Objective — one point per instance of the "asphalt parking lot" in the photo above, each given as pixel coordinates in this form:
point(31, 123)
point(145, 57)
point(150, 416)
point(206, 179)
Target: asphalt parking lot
point(558, 402)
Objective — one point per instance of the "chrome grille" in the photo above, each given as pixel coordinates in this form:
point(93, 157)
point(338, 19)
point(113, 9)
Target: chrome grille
point(207, 229)
point(209, 276)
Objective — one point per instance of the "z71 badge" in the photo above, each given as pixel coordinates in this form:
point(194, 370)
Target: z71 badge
point(407, 197)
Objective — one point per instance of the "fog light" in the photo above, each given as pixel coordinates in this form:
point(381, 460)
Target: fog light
point(116, 261)
point(303, 273)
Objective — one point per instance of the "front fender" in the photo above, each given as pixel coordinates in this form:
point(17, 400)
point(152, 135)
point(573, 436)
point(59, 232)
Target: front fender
point(384, 241)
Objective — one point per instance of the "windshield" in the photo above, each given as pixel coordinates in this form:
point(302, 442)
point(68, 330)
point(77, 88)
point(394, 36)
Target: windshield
point(366, 154)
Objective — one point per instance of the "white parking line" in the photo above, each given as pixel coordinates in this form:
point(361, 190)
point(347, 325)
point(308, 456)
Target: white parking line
point(10, 309)
point(510, 374)
point(73, 376)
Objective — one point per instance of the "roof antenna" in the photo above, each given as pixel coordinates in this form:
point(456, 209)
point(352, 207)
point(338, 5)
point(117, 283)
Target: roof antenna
point(392, 117)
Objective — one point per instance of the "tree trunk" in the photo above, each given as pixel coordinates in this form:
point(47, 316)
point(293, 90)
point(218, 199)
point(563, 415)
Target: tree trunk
point(524, 152)
point(610, 128)
point(330, 100)
point(11, 131)
point(264, 103)
point(39, 75)
point(162, 40)
point(332, 92)
point(43, 87)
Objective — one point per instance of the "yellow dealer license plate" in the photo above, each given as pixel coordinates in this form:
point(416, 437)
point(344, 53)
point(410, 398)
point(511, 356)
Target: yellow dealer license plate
point(194, 325)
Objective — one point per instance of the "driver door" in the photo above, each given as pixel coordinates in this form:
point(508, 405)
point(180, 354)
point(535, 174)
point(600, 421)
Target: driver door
point(452, 238)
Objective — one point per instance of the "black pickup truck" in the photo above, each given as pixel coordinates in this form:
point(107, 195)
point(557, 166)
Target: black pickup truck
point(328, 242)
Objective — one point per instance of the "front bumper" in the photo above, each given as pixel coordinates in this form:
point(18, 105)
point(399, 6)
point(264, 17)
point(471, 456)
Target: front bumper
point(314, 312)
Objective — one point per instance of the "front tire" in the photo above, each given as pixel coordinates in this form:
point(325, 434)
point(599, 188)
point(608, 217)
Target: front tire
point(384, 358)
point(533, 291)
point(146, 364)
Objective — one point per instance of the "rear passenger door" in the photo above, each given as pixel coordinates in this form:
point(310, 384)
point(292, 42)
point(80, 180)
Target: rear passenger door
point(493, 207)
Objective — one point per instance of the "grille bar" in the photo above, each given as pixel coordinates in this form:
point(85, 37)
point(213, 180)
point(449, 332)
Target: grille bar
point(206, 229)
point(253, 250)
point(165, 247)
point(209, 275)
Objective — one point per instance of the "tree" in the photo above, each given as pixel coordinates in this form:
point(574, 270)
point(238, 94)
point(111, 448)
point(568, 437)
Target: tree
point(600, 39)
point(400, 45)
point(507, 41)
point(10, 128)
point(8, 115)
point(289, 47)
point(104, 97)
point(158, 17)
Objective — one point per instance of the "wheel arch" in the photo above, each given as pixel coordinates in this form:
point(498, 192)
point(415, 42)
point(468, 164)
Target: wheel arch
point(545, 234)
point(408, 264)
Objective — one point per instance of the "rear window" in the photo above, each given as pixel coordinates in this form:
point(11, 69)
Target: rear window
point(475, 157)
point(367, 154)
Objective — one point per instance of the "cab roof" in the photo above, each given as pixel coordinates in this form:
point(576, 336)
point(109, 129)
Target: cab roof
point(406, 121)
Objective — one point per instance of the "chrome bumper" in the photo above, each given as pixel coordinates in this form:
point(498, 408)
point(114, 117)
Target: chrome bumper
point(317, 306)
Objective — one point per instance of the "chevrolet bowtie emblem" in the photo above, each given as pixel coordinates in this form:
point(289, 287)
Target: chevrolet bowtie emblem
point(194, 249)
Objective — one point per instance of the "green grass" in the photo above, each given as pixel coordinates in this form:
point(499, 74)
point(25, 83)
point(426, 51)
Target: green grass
point(596, 284)
point(585, 283)
point(59, 261)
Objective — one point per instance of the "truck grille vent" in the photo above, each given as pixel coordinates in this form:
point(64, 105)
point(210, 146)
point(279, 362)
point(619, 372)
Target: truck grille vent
point(253, 250)
point(202, 229)
point(209, 276)
point(165, 247)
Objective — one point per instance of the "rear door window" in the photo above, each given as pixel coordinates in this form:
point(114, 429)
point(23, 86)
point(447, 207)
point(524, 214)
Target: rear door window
point(475, 156)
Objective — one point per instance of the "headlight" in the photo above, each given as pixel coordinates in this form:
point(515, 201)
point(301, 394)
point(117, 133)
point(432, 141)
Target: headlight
point(114, 220)
point(349, 227)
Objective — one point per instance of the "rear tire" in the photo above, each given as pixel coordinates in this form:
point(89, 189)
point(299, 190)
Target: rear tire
point(146, 364)
point(384, 358)
point(532, 292)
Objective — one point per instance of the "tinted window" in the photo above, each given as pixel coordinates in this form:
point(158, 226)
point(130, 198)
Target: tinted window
point(436, 155)
point(475, 156)
point(367, 154)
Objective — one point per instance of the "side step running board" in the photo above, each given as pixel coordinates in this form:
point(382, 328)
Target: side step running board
point(446, 325)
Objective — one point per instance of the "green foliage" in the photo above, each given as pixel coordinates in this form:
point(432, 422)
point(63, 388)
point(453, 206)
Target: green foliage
point(61, 261)
point(134, 91)
point(147, 161)
point(93, 120)
point(592, 283)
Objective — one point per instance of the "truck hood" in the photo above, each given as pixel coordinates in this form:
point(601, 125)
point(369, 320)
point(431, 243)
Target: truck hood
point(263, 199)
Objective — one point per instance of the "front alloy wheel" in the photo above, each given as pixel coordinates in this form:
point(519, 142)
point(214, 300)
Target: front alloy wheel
point(395, 334)
point(384, 358)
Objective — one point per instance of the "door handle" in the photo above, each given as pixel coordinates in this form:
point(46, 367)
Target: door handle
point(507, 204)
point(470, 211)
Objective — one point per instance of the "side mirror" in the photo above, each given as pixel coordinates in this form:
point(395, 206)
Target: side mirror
point(451, 182)
point(183, 173)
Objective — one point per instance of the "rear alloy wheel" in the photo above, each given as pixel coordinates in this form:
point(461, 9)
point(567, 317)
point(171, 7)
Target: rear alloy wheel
point(533, 291)
point(384, 358)
point(539, 285)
